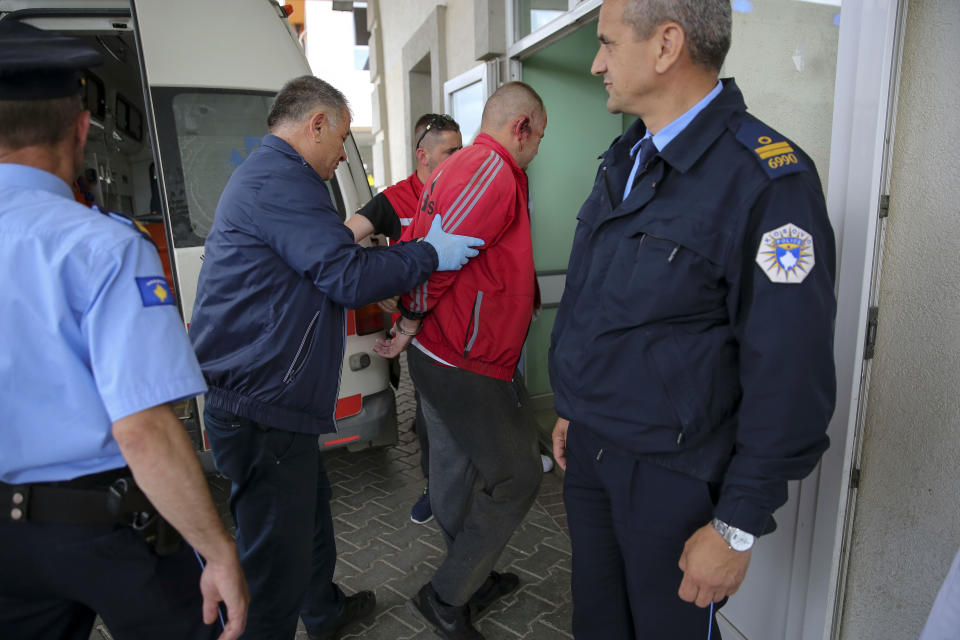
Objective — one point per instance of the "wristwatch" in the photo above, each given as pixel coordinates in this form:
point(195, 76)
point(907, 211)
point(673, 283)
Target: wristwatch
point(738, 539)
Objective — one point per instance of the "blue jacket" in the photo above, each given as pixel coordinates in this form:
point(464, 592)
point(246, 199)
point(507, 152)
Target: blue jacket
point(696, 327)
point(279, 270)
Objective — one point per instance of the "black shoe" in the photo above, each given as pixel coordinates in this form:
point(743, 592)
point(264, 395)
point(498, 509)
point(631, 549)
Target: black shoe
point(356, 608)
point(495, 587)
point(452, 623)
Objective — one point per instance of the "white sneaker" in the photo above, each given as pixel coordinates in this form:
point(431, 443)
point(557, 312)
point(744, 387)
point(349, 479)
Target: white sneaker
point(547, 462)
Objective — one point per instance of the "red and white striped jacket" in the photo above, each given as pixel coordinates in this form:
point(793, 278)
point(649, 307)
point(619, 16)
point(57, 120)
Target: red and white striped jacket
point(478, 316)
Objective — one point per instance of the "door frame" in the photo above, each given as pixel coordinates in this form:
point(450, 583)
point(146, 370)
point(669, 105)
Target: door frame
point(861, 146)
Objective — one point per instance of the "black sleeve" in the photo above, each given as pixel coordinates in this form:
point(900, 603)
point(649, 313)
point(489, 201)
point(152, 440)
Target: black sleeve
point(382, 216)
point(784, 325)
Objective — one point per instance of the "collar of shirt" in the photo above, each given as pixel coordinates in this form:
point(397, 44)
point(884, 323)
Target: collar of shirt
point(284, 147)
point(666, 135)
point(24, 176)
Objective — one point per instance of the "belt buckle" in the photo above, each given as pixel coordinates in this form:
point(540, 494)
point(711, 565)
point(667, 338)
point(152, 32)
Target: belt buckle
point(19, 503)
point(120, 505)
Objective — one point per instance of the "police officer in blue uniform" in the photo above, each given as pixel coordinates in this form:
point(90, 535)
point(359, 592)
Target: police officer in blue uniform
point(94, 465)
point(692, 354)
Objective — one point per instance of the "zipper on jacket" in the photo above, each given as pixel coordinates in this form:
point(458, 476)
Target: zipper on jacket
point(300, 358)
point(673, 252)
point(475, 322)
point(343, 352)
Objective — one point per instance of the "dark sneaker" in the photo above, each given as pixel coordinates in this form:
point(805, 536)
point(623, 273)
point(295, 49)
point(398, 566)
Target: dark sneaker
point(495, 587)
point(421, 513)
point(356, 608)
point(449, 622)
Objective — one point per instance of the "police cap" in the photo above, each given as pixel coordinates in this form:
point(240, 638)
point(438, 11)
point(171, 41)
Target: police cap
point(39, 65)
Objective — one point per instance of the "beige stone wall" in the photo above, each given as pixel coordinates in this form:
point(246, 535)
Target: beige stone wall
point(403, 20)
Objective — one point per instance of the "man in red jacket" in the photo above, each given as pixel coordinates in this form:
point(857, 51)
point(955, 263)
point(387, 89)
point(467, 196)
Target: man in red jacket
point(484, 464)
point(390, 212)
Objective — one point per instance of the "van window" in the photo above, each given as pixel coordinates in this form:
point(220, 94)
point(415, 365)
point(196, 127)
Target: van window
point(203, 136)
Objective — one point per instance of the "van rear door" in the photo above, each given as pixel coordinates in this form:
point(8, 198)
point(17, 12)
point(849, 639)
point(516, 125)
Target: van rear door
point(211, 70)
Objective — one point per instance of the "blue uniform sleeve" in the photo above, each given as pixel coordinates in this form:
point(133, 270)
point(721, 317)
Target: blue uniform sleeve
point(301, 225)
point(783, 307)
point(139, 352)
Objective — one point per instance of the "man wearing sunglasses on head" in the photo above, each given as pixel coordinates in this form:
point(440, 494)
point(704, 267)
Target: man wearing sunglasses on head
point(390, 212)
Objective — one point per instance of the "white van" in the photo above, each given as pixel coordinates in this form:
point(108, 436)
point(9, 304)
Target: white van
point(181, 100)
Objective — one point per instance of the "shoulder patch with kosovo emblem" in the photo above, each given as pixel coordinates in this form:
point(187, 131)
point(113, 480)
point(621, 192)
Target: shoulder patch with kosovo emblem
point(786, 254)
point(154, 291)
point(774, 152)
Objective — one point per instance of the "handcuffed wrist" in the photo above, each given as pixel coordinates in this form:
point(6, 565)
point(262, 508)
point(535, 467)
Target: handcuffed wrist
point(407, 313)
point(399, 327)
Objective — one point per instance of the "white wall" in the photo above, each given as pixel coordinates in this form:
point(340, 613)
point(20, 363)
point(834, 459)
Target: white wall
point(461, 34)
point(907, 522)
point(330, 47)
point(399, 21)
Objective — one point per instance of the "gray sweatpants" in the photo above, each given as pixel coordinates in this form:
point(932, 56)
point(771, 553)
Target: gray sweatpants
point(485, 467)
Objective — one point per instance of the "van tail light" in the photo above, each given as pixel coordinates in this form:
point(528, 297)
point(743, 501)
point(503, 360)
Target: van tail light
point(287, 9)
point(369, 319)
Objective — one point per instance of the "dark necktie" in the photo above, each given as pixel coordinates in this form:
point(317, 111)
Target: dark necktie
point(644, 154)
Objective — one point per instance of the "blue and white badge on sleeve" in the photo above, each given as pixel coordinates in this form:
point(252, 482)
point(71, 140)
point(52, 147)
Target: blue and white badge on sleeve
point(154, 291)
point(786, 254)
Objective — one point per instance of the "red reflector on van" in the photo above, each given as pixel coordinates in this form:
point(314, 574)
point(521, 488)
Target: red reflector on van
point(369, 319)
point(351, 322)
point(340, 441)
point(287, 9)
point(348, 406)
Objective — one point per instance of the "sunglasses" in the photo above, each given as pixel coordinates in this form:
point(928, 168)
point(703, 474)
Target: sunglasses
point(442, 122)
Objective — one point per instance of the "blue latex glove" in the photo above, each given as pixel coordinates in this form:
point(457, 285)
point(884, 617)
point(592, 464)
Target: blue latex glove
point(453, 250)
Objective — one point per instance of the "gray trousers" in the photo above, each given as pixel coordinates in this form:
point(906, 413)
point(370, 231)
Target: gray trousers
point(485, 467)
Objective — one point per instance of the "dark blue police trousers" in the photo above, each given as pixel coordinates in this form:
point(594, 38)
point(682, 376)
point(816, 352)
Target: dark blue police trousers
point(56, 578)
point(629, 520)
point(280, 502)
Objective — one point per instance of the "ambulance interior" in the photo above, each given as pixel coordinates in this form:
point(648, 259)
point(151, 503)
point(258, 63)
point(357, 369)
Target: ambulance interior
point(119, 173)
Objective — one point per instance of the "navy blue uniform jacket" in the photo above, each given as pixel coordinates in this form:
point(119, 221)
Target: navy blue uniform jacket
point(696, 327)
point(280, 268)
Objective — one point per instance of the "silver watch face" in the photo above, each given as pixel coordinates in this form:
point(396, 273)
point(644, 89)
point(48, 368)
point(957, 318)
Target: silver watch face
point(740, 540)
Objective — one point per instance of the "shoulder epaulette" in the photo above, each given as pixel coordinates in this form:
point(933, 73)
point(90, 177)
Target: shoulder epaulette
point(776, 154)
point(119, 217)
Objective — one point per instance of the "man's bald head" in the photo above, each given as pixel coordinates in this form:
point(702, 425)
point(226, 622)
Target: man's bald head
point(515, 117)
point(508, 102)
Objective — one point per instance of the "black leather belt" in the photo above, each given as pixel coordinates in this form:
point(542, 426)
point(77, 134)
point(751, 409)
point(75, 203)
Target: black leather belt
point(109, 497)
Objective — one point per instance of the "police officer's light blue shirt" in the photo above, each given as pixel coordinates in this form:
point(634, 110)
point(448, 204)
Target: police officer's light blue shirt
point(663, 137)
point(90, 331)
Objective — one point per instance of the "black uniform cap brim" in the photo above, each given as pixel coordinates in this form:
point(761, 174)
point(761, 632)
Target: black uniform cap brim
point(36, 64)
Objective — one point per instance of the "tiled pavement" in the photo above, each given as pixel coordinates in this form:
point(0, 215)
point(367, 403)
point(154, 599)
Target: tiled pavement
point(379, 547)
